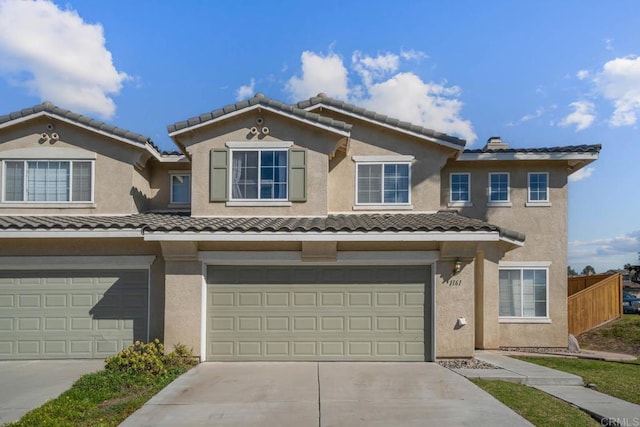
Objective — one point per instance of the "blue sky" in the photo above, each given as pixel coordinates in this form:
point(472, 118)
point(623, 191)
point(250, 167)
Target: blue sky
point(536, 73)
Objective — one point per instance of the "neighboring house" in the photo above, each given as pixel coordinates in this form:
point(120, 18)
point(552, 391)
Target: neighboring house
point(315, 231)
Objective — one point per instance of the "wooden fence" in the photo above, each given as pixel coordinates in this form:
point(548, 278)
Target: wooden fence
point(595, 300)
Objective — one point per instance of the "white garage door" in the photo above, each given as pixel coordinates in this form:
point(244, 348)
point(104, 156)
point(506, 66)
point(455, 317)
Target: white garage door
point(64, 315)
point(318, 313)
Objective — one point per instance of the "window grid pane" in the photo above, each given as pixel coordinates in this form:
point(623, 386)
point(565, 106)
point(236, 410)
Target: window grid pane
point(396, 183)
point(538, 187)
point(523, 293)
point(499, 187)
point(259, 175)
point(14, 181)
point(48, 181)
point(81, 182)
point(383, 183)
point(180, 188)
point(459, 187)
point(369, 183)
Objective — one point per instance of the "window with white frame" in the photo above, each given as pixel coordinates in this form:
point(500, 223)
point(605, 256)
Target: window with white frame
point(180, 188)
point(259, 174)
point(379, 183)
point(538, 187)
point(523, 292)
point(498, 187)
point(53, 181)
point(460, 186)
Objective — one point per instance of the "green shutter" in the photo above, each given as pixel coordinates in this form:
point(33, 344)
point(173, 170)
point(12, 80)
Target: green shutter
point(297, 175)
point(218, 178)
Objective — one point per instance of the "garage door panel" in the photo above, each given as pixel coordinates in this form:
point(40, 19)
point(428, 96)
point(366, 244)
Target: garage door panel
point(62, 314)
point(316, 321)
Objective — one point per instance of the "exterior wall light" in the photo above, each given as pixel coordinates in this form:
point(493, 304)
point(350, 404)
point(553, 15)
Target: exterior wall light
point(457, 266)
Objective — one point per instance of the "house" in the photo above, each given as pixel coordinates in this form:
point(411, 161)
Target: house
point(314, 231)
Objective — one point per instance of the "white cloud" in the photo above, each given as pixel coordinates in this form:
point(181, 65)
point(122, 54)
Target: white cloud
point(246, 91)
point(619, 82)
point(582, 74)
point(608, 44)
point(412, 55)
point(582, 116)
point(384, 88)
point(606, 253)
point(57, 56)
point(581, 174)
point(527, 117)
point(319, 74)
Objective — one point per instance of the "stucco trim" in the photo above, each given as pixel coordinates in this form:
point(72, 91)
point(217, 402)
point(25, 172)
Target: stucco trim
point(527, 156)
point(132, 262)
point(257, 203)
point(385, 125)
point(524, 320)
point(265, 144)
point(295, 258)
point(258, 107)
point(369, 236)
point(379, 159)
point(68, 234)
point(46, 153)
point(524, 264)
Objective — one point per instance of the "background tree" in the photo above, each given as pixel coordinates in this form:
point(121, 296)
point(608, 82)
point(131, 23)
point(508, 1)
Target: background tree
point(571, 271)
point(588, 270)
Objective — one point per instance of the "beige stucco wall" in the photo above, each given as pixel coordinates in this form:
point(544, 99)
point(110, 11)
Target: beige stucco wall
point(546, 240)
point(160, 183)
point(319, 145)
point(101, 247)
point(115, 178)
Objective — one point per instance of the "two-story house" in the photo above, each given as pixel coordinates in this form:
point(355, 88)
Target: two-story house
point(314, 231)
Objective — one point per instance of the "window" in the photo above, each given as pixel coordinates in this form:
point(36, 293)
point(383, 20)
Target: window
point(382, 183)
point(538, 187)
point(523, 292)
point(48, 181)
point(460, 188)
point(259, 174)
point(180, 188)
point(499, 187)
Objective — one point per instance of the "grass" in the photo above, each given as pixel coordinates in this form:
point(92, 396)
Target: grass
point(618, 379)
point(107, 397)
point(619, 336)
point(536, 406)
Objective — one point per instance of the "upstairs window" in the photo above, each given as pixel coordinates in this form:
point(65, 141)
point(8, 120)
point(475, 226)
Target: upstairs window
point(459, 184)
point(45, 181)
point(259, 174)
point(180, 188)
point(499, 187)
point(383, 183)
point(538, 187)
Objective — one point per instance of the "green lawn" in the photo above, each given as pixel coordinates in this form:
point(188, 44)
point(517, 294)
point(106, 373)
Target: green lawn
point(107, 397)
point(619, 336)
point(618, 379)
point(536, 406)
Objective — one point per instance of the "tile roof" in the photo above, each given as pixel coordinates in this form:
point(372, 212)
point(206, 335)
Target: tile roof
point(260, 99)
point(48, 107)
point(595, 148)
point(372, 115)
point(182, 222)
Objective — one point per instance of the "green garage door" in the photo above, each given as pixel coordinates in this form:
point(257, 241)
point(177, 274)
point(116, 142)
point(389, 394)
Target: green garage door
point(67, 315)
point(318, 313)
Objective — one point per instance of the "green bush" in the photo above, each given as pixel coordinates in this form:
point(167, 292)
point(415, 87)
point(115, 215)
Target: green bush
point(149, 358)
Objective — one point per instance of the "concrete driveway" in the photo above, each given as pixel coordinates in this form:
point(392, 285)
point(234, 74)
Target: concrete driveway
point(322, 394)
point(25, 385)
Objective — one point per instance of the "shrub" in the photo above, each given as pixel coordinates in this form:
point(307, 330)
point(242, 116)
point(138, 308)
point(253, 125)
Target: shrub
point(149, 358)
point(139, 357)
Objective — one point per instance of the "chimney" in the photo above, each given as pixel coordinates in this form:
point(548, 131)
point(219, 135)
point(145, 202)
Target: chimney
point(495, 143)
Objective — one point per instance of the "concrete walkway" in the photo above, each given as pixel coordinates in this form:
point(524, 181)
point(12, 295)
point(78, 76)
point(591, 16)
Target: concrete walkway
point(568, 387)
point(322, 394)
point(28, 384)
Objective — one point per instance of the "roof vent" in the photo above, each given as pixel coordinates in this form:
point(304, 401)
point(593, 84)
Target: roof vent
point(495, 143)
